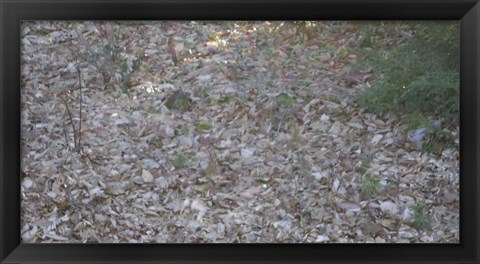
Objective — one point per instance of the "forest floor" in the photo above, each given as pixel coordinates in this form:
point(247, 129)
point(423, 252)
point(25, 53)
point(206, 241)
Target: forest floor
point(253, 136)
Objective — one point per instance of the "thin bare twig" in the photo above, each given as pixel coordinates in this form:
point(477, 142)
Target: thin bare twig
point(65, 133)
point(265, 161)
point(71, 121)
point(77, 143)
point(81, 100)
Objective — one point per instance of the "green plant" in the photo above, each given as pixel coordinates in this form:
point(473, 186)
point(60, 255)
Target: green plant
point(438, 140)
point(241, 100)
point(203, 126)
point(296, 135)
point(284, 100)
point(422, 220)
point(185, 129)
point(179, 161)
point(129, 64)
point(262, 180)
point(362, 167)
point(179, 100)
point(370, 185)
point(106, 54)
point(366, 33)
point(420, 75)
point(203, 91)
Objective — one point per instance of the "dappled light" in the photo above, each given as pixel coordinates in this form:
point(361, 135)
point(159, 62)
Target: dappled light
point(240, 132)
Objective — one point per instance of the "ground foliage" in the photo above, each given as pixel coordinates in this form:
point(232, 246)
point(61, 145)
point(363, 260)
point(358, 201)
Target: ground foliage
point(420, 78)
point(236, 132)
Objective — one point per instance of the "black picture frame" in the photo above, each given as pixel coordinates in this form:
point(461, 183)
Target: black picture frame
point(13, 12)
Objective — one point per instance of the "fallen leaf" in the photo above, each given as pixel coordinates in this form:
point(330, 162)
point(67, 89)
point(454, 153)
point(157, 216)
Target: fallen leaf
point(322, 238)
point(199, 205)
point(247, 153)
point(376, 139)
point(388, 208)
point(147, 176)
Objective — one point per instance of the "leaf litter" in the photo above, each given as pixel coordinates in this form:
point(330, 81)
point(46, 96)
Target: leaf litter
point(266, 145)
